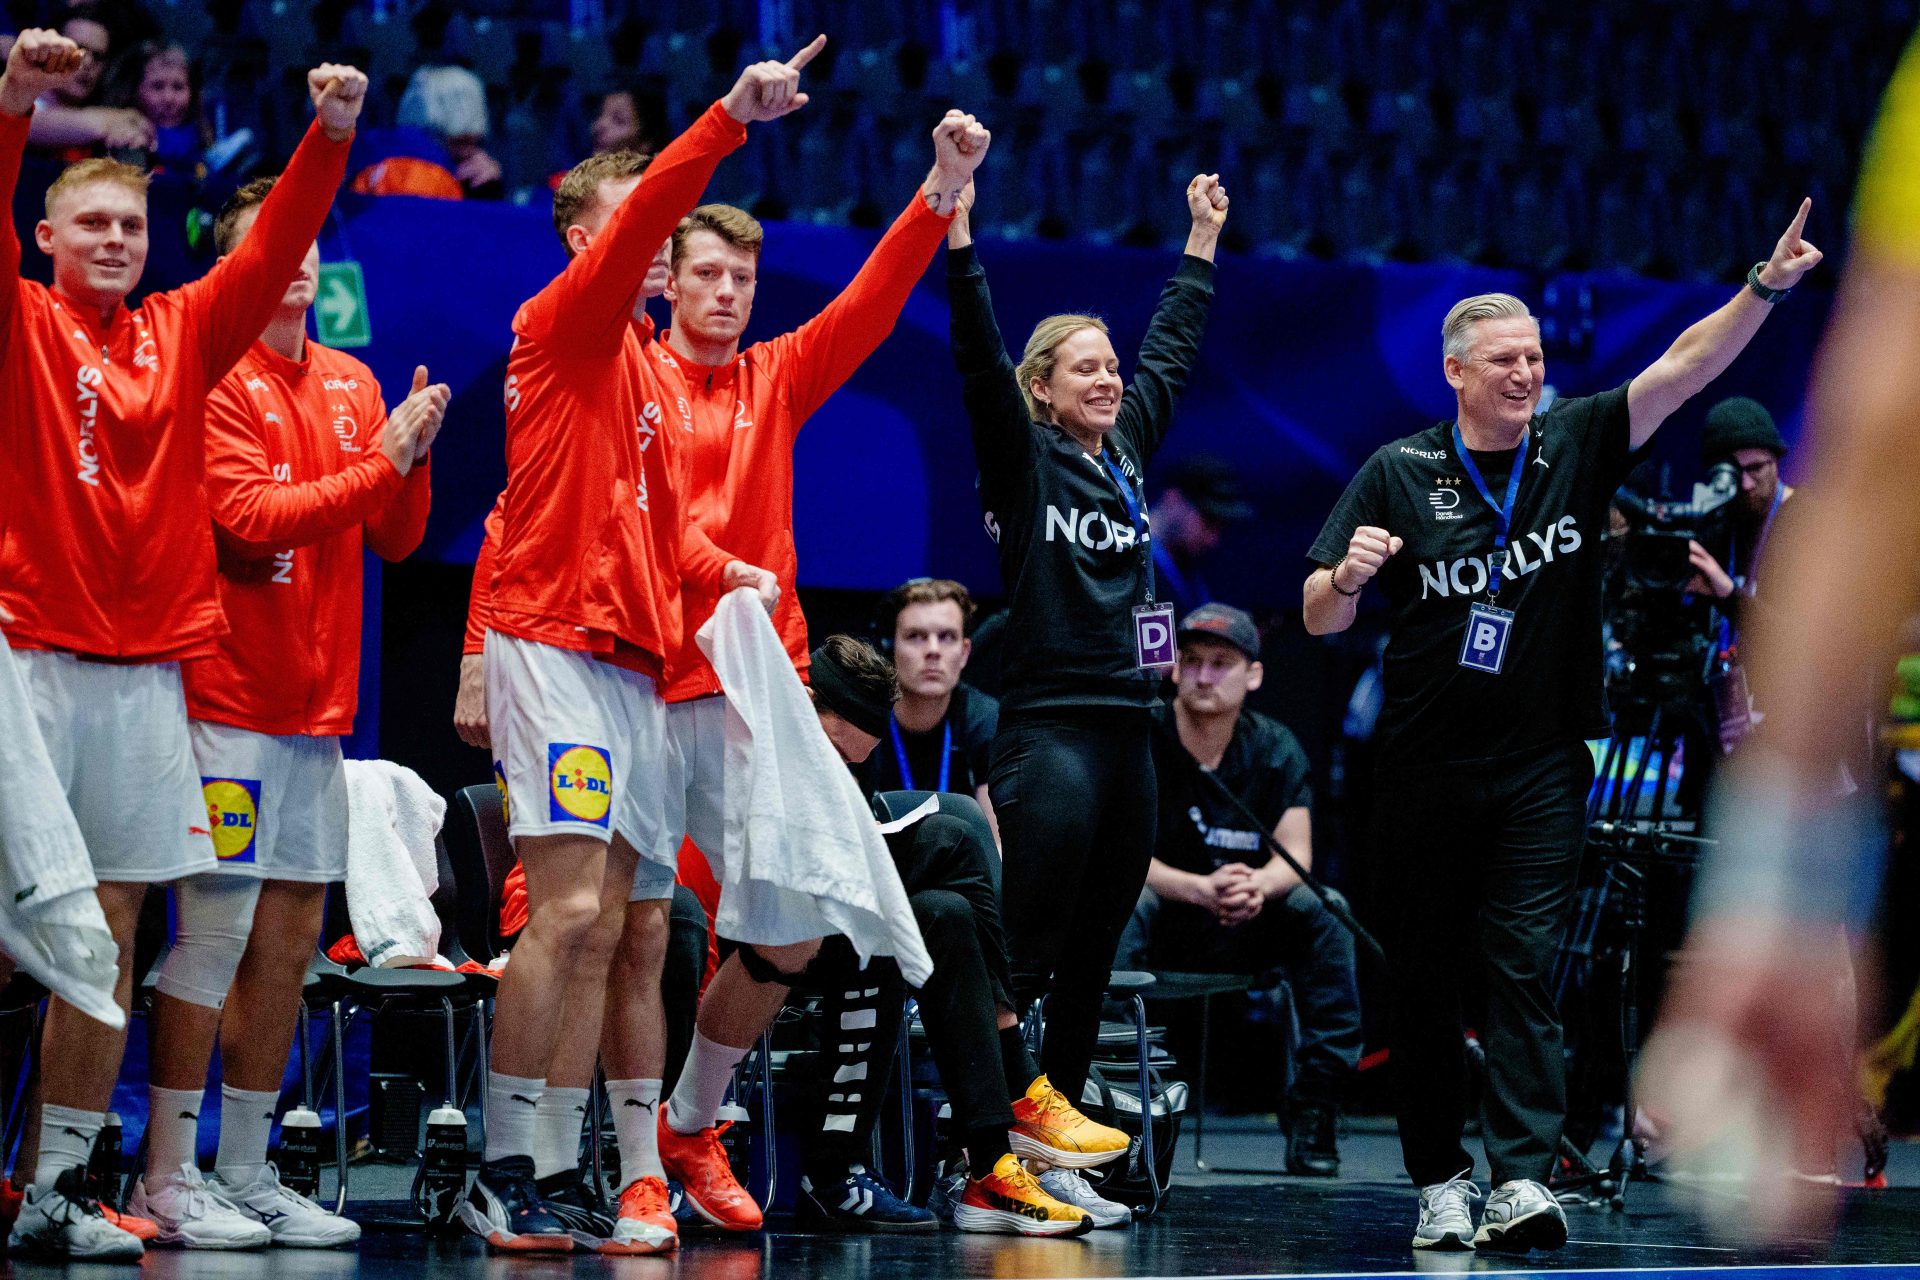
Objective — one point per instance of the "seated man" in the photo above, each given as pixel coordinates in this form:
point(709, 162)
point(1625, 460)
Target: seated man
point(941, 730)
point(1216, 901)
point(952, 877)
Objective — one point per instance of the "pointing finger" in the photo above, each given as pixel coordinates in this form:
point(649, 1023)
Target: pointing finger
point(808, 54)
point(1800, 220)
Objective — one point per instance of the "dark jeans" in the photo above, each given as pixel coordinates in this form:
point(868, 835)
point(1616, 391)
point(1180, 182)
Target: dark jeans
point(1478, 867)
point(1296, 934)
point(950, 870)
point(686, 961)
point(1074, 792)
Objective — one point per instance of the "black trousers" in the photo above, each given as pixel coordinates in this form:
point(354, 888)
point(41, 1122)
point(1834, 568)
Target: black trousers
point(1479, 863)
point(950, 870)
point(1296, 934)
point(686, 961)
point(1074, 792)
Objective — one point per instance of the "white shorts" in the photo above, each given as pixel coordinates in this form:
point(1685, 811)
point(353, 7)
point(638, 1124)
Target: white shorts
point(277, 805)
point(695, 786)
point(117, 736)
point(582, 743)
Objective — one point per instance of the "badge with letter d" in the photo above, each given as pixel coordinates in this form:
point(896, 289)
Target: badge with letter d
point(1153, 642)
point(1485, 646)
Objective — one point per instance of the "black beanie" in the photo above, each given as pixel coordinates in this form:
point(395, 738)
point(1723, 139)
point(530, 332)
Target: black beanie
point(834, 690)
point(1736, 424)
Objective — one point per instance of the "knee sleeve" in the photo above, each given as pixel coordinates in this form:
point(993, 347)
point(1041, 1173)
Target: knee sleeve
point(215, 915)
point(761, 969)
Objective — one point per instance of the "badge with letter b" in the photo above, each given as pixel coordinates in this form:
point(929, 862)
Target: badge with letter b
point(1153, 643)
point(1485, 645)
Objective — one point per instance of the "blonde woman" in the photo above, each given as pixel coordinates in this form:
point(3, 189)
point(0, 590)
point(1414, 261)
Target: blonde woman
point(1063, 443)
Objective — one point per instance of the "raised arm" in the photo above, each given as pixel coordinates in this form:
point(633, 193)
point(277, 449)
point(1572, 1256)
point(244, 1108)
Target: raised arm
point(234, 301)
point(1173, 338)
point(39, 60)
point(112, 127)
point(261, 515)
point(589, 306)
point(988, 389)
point(828, 348)
point(1704, 351)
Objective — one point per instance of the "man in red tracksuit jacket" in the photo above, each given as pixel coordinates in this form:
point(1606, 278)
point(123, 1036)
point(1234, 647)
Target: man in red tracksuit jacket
point(304, 470)
point(108, 560)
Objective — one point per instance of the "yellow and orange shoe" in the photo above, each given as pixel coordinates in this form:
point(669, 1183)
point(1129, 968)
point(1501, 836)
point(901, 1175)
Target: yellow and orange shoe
point(141, 1229)
point(1049, 1129)
point(1010, 1201)
point(699, 1163)
point(645, 1225)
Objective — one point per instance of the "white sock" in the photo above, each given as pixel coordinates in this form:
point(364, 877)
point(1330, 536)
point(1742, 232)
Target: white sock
point(246, 1125)
point(512, 1102)
point(173, 1129)
point(66, 1139)
point(636, 1110)
point(556, 1131)
point(703, 1085)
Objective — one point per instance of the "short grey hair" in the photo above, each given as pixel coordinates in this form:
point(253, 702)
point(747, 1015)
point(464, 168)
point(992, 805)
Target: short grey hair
point(448, 101)
point(1456, 331)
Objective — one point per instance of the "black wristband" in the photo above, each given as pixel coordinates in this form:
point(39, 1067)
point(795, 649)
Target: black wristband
point(1333, 580)
point(1766, 295)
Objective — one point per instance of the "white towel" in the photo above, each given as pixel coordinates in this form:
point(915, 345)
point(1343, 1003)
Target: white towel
point(803, 857)
point(393, 819)
point(50, 920)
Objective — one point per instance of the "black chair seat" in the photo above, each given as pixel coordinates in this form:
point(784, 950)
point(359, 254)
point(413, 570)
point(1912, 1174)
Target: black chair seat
point(1127, 981)
point(1193, 986)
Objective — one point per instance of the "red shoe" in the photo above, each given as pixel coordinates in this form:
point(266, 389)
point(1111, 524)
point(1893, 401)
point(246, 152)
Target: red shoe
point(700, 1164)
point(141, 1229)
point(645, 1225)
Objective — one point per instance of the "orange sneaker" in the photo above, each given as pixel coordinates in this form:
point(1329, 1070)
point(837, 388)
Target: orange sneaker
point(699, 1163)
point(1051, 1130)
point(645, 1224)
point(141, 1229)
point(1010, 1201)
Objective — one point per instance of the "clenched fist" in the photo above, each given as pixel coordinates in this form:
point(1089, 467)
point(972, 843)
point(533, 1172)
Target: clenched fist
point(1207, 201)
point(1367, 550)
point(39, 60)
point(338, 93)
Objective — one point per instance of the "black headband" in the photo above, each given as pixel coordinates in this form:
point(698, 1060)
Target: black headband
point(840, 695)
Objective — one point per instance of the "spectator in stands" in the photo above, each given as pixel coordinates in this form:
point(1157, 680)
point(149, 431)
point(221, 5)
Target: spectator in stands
point(161, 83)
point(941, 730)
point(1200, 500)
point(628, 120)
point(1216, 900)
point(69, 120)
point(451, 104)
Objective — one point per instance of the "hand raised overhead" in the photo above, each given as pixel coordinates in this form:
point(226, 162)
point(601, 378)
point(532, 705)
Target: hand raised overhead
point(338, 92)
point(1794, 255)
point(769, 90)
point(39, 60)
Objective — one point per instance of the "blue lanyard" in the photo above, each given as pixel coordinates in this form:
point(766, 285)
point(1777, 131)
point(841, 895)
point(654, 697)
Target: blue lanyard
point(946, 755)
point(1132, 501)
point(1502, 515)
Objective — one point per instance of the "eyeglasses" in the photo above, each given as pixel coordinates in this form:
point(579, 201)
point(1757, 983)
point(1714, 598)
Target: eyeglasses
point(1755, 470)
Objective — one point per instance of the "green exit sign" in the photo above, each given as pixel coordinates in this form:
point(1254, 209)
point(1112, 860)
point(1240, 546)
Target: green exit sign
point(340, 306)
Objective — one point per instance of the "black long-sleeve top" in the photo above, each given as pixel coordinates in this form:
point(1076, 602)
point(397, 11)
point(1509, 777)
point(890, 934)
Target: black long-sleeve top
point(1069, 558)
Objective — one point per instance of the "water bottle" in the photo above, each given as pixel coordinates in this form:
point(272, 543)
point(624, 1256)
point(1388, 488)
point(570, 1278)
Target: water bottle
point(103, 1165)
point(299, 1156)
point(443, 1165)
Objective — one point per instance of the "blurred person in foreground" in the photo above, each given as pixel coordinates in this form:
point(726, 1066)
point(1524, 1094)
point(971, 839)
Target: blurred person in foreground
point(1750, 1070)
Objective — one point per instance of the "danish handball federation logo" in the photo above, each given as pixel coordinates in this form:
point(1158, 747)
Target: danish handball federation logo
point(500, 784)
point(581, 783)
point(233, 815)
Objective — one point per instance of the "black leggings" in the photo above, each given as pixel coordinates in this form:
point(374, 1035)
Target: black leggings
point(1074, 792)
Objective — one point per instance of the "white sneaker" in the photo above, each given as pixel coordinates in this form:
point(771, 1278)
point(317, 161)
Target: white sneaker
point(294, 1221)
point(1446, 1218)
point(65, 1222)
point(191, 1213)
point(1068, 1187)
point(1522, 1215)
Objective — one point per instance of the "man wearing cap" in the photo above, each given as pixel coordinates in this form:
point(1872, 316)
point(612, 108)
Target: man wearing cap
point(1741, 431)
point(1200, 500)
point(1217, 900)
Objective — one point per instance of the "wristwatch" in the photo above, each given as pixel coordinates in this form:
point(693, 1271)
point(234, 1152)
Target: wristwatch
point(1766, 295)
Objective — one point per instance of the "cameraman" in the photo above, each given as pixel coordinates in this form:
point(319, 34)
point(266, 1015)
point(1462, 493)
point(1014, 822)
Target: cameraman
point(1740, 432)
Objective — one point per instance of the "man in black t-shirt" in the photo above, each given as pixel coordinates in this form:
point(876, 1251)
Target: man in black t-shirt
point(1484, 535)
point(1217, 900)
point(942, 730)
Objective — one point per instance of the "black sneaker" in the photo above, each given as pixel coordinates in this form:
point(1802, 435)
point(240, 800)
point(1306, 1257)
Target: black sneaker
point(570, 1198)
point(1313, 1145)
point(858, 1202)
point(505, 1209)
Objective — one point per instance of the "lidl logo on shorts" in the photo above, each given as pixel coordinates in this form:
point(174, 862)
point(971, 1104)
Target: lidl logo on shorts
point(500, 785)
point(581, 781)
point(233, 814)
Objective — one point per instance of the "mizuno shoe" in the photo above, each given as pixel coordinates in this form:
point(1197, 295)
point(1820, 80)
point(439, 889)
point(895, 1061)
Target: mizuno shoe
point(63, 1222)
point(295, 1221)
point(503, 1208)
point(192, 1213)
point(1009, 1201)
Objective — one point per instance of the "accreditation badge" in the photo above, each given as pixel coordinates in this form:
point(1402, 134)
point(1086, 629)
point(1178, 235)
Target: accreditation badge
point(1485, 646)
point(1153, 642)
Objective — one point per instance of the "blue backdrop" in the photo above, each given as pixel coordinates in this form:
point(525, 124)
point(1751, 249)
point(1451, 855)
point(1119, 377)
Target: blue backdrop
point(1307, 367)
